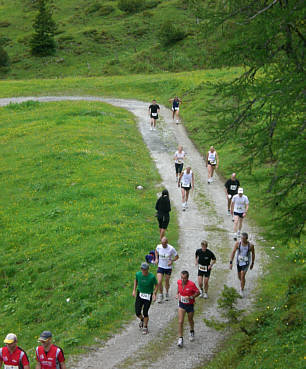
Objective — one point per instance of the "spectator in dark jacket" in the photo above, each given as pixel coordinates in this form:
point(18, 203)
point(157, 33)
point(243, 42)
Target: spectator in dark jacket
point(163, 208)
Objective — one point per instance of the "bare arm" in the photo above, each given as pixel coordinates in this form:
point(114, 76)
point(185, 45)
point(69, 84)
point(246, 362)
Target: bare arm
point(179, 180)
point(134, 289)
point(196, 260)
point(63, 365)
point(156, 257)
point(253, 256)
point(246, 209)
point(232, 207)
point(192, 180)
point(213, 261)
point(233, 254)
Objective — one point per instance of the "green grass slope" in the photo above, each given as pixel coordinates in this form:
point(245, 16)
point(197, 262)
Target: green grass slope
point(95, 37)
point(74, 229)
point(276, 326)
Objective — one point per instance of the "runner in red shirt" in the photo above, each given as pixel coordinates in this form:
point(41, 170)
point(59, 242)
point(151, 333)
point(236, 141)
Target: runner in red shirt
point(187, 291)
point(13, 356)
point(49, 356)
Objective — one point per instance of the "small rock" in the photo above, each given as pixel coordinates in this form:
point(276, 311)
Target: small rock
point(139, 187)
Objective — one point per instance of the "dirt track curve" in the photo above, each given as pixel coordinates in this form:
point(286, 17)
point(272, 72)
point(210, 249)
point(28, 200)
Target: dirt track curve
point(207, 219)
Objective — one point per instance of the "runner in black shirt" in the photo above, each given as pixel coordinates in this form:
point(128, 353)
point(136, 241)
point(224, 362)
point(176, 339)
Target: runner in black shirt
point(231, 189)
point(204, 260)
point(153, 112)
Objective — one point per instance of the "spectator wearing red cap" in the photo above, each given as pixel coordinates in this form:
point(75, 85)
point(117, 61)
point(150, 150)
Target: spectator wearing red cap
point(49, 356)
point(13, 356)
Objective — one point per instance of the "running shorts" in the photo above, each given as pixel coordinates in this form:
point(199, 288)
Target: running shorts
point(156, 117)
point(243, 268)
point(164, 271)
point(205, 274)
point(142, 304)
point(179, 167)
point(212, 164)
point(163, 221)
point(240, 215)
point(187, 307)
point(186, 188)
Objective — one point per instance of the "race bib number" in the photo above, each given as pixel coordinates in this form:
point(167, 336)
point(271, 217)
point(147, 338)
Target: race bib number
point(154, 114)
point(11, 366)
point(184, 184)
point(229, 196)
point(212, 161)
point(243, 258)
point(176, 108)
point(184, 299)
point(203, 268)
point(233, 187)
point(179, 161)
point(240, 209)
point(145, 296)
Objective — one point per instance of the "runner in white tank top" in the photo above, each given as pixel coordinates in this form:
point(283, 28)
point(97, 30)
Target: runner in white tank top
point(212, 162)
point(179, 157)
point(239, 209)
point(187, 182)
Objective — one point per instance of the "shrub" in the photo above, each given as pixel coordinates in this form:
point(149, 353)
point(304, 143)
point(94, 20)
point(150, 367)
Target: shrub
point(131, 6)
point(169, 34)
point(4, 59)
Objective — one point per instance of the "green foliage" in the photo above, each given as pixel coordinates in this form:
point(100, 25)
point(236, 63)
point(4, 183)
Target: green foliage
point(4, 58)
point(74, 229)
point(42, 42)
point(131, 6)
point(170, 33)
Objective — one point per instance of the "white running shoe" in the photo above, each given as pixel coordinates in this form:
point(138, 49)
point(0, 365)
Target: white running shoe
point(167, 296)
point(145, 330)
point(201, 293)
point(205, 296)
point(241, 293)
point(235, 237)
point(154, 129)
point(238, 234)
point(177, 122)
point(228, 212)
point(186, 205)
point(180, 342)
point(160, 298)
point(151, 128)
point(191, 336)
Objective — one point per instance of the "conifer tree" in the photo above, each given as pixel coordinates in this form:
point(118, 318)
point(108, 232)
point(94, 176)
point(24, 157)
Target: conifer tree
point(42, 42)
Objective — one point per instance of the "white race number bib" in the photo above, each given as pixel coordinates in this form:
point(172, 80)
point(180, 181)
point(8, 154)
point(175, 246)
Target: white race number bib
point(154, 114)
point(145, 296)
point(233, 187)
point(184, 299)
point(203, 268)
point(11, 366)
point(243, 258)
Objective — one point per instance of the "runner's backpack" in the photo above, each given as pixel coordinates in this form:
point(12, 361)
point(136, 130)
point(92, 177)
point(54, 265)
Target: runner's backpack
point(150, 257)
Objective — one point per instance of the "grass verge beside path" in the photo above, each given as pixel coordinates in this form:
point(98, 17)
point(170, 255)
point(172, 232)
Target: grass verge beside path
point(277, 324)
point(74, 227)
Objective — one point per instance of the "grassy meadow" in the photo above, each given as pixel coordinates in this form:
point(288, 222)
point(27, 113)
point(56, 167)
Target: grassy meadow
point(96, 37)
point(73, 227)
point(276, 326)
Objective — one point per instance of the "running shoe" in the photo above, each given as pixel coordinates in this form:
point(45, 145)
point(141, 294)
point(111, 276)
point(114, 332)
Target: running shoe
point(191, 336)
point(186, 205)
point(201, 293)
point(205, 296)
point(180, 342)
point(151, 128)
point(141, 324)
point(154, 129)
point(241, 293)
point(235, 237)
point(160, 298)
point(238, 234)
point(177, 122)
point(167, 296)
point(228, 212)
point(145, 330)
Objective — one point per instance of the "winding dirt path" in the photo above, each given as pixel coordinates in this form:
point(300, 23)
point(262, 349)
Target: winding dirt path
point(207, 219)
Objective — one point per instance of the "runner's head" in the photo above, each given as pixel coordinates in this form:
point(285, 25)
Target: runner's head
point(45, 339)
point(184, 276)
point(233, 177)
point(164, 242)
point(204, 245)
point(144, 268)
point(188, 169)
point(212, 149)
point(240, 191)
point(244, 237)
point(153, 102)
point(180, 148)
point(11, 342)
point(165, 193)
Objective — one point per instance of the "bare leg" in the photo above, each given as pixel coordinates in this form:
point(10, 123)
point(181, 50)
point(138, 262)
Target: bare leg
point(236, 218)
point(162, 233)
point(145, 322)
point(160, 282)
point(191, 321)
point(181, 316)
point(167, 282)
point(200, 281)
point(183, 195)
point(242, 279)
point(206, 284)
point(240, 223)
point(229, 201)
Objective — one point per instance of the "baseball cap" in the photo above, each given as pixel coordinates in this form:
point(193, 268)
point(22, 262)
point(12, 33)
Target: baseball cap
point(10, 338)
point(240, 190)
point(45, 335)
point(144, 266)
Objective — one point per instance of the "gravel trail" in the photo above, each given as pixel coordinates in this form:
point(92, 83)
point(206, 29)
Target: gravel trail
point(206, 218)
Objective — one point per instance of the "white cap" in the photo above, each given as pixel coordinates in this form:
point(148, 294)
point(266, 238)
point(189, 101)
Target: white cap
point(10, 338)
point(240, 190)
